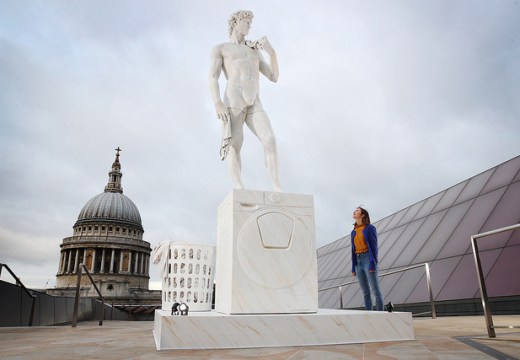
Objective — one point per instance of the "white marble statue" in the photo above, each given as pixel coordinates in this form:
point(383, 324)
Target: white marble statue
point(242, 62)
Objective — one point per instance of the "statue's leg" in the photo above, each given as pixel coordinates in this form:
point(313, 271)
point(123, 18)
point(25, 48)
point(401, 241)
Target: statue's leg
point(259, 123)
point(237, 138)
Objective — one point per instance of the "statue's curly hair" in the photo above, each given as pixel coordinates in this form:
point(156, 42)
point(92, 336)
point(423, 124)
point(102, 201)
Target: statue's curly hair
point(236, 16)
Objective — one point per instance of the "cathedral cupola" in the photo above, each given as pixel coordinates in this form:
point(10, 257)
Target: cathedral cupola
point(114, 176)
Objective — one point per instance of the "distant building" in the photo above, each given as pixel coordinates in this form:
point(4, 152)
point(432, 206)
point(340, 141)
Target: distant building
point(437, 231)
point(108, 239)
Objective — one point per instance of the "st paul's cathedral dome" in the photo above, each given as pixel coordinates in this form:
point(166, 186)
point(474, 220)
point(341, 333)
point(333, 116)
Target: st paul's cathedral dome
point(108, 239)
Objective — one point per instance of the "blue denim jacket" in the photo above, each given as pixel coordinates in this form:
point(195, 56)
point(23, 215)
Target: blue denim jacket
point(370, 234)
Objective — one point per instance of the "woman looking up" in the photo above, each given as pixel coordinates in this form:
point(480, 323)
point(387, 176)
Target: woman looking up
point(364, 257)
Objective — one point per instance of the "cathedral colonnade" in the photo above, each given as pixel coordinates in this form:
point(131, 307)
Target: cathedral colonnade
point(106, 260)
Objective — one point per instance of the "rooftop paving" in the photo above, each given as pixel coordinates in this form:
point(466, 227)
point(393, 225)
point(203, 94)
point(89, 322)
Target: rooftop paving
point(443, 338)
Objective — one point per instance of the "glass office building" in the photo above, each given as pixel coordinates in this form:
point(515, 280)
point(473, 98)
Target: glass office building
point(437, 230)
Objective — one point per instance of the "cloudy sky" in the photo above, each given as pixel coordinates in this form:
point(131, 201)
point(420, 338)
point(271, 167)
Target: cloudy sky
point(379, 103)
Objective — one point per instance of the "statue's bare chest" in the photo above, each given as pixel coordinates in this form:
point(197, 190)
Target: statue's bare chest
point(240, 55)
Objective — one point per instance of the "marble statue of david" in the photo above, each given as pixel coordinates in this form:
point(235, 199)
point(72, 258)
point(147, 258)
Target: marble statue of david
point(242, 62)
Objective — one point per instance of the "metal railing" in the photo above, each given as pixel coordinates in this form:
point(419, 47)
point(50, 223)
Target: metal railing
point(79, 271)
point(428, 284)
point(18, 282)
point(481, 281)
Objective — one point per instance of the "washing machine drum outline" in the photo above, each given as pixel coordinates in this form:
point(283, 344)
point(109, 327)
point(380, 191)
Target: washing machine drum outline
point(274, 248)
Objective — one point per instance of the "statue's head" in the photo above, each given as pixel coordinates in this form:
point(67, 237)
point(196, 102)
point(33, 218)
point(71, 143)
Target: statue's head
point(236, 17)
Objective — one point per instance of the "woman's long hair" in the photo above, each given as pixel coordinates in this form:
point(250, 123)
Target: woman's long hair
point(366, 217)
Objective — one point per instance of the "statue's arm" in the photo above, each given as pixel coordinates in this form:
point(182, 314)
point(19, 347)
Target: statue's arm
point(214, 74)
point(269, 70)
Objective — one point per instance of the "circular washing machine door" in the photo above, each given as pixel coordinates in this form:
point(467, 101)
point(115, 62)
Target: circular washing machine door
point(274, 248)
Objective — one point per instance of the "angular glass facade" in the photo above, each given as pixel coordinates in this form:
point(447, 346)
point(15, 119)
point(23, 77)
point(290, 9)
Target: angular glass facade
point(437, 230)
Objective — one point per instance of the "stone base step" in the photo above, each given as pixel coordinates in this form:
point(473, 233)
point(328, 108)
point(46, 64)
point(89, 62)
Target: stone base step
point(212, 330)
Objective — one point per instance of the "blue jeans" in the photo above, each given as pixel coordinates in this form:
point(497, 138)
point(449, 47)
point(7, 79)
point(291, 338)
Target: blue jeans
point(366, 278)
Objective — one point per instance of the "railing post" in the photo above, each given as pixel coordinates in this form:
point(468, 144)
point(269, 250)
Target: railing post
point(481, 280)
point(79, 270)
point(99, 293)
point(32, 310)
point(430, 292)
point(483, 291)
point(340, 297)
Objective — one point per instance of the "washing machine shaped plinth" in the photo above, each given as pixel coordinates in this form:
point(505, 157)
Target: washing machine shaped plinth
point(266, 254)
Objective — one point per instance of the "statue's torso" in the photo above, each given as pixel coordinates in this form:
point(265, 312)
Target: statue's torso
point(241, 65)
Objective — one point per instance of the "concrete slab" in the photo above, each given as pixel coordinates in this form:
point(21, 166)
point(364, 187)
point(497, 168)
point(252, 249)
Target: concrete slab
point(212, 330)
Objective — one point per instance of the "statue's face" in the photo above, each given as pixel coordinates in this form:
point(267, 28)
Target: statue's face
point(243, 25)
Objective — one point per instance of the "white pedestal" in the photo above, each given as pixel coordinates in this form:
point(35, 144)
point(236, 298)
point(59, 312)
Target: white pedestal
point(211, 330)
point(266, 254)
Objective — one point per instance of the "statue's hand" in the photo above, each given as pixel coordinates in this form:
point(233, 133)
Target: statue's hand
point(222, 111)
point(265, 45)
point(261, 44)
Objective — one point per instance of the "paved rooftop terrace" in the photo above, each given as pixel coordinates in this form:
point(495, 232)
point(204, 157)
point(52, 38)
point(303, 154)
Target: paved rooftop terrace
point(442, 338)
